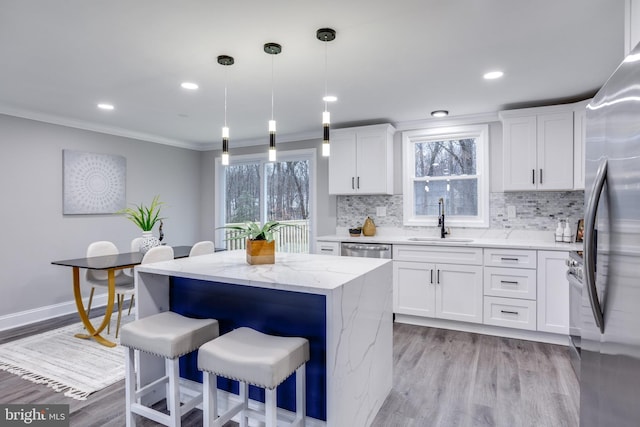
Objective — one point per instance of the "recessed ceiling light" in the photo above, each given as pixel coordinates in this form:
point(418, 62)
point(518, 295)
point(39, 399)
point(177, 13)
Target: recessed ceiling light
point(189, 85)
point(493, 75)
point(104, 106)
point(440, 113)
point(330, 98)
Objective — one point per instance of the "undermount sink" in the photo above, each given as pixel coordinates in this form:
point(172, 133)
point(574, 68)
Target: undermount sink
point(440, 240)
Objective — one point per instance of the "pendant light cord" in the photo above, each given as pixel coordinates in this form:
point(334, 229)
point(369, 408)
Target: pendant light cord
point(272, 86)
point(226, 78)
point(325, 77)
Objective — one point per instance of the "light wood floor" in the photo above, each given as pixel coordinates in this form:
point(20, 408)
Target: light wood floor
point(441, 378)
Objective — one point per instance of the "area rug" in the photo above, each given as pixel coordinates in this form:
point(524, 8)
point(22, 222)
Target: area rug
point(65, 363)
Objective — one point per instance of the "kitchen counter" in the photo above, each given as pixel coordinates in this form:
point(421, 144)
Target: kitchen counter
point(342, 305)
point(513, 239)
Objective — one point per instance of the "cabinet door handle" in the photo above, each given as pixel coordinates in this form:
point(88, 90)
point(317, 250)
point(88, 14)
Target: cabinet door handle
point(509, 312)
point(431, 276)
point(353, 187)
point(358, 181)
point(509, 259)
point(508, 282)
point(438, 277)
point(533, 176)
point(540, 176)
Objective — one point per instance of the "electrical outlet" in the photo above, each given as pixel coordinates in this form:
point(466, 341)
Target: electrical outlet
point(381, 211)
point(511, 211)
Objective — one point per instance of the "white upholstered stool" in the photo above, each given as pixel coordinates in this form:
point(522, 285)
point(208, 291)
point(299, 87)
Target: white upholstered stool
point(252, 357)
point(168, 335)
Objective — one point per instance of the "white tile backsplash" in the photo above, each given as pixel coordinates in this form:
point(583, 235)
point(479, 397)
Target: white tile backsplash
point(539, 210)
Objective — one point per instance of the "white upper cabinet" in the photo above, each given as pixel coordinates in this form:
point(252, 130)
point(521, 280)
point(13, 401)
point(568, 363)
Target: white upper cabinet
point(538, 149)
point(361, 160)
point(579, 131)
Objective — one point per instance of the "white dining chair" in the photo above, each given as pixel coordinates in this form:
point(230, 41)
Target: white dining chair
point(124, 283)
point(202, 248)
point(155, 254)
point(135, 247)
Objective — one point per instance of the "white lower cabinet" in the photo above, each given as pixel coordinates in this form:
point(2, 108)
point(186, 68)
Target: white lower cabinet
point(510, 288)
point(327, 248)
point(553, 292)
point(510, 312)
point(440, 290)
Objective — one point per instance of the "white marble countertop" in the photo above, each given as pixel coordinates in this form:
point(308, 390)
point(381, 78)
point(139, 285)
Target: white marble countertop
point(309, 273)
point(512, 239)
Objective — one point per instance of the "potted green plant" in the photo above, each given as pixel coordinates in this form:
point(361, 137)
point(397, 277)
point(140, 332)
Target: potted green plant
point(145, 217)
point(260, 244)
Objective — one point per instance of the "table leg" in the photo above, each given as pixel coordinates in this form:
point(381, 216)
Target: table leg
point(93, 332)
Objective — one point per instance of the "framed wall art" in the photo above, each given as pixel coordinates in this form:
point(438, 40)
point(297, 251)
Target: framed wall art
point(93, 183)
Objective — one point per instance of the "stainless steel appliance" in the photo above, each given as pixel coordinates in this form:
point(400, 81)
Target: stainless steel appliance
point(366, 250)
point(610, 328)
point(574, 277)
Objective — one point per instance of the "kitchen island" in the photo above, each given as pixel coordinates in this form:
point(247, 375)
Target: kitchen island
point(342, 305)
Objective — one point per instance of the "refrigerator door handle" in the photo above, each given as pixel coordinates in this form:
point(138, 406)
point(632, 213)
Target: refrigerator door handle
point(589, 244)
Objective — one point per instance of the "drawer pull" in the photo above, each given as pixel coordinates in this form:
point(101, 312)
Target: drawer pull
point(509, 259)
point(508, 282)
point(326, 249)
point(509, 312)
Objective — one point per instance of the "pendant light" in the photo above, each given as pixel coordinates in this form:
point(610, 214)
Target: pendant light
point(325, 35)
point(226, 61)
point(272, 49)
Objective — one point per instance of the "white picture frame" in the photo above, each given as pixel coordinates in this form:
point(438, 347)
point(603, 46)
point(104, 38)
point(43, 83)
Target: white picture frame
point(93, 183)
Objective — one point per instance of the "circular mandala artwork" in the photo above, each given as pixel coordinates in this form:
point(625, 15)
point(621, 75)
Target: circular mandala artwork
point(93, 183)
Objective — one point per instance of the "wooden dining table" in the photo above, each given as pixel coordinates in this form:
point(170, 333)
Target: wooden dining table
point(110, 264)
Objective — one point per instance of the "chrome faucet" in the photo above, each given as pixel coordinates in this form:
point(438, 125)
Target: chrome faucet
point(443, 231)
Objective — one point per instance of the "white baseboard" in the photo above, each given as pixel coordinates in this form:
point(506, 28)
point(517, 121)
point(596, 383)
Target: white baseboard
point(484, 329)
point(39, 314)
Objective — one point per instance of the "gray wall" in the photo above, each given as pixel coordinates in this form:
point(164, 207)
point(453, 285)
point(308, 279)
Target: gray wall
point(34, 230)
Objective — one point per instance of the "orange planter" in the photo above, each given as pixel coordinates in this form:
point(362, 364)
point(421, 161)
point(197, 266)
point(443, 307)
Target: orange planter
point(261, 252)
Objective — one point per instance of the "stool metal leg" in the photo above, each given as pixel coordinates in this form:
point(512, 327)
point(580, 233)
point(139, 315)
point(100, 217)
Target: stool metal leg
point(130, 385)
point(270, 407)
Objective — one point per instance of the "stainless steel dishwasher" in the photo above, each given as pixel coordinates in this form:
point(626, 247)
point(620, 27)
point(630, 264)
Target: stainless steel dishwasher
point(366, 250)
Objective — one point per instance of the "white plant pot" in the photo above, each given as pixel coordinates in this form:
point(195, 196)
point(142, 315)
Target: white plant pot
point(148, 241)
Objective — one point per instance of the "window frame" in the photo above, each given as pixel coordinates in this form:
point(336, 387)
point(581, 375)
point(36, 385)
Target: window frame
point(481, 133)
point(283, 155)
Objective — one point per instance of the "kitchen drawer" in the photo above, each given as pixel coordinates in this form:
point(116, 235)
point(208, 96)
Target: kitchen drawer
point(438, 253)
point(328, 248)
point(510, 313)
point(509, 258)
point(510, 282)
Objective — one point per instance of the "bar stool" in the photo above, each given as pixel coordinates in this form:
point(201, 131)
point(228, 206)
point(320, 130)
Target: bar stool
point(252, 357)
point(168, 335)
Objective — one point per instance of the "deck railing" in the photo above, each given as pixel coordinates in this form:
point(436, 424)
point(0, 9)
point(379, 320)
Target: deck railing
point(288, 239)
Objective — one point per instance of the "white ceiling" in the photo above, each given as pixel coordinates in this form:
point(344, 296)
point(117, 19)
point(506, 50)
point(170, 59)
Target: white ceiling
point(392, 61)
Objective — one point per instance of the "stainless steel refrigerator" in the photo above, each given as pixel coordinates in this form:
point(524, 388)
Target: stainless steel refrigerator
point(610, 312)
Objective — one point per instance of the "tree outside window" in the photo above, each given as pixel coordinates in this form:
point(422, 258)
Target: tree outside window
point(450, 164)
point(263, 191)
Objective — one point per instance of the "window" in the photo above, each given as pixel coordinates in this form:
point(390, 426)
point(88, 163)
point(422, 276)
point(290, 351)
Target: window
point(448, 163)
point(252, 189)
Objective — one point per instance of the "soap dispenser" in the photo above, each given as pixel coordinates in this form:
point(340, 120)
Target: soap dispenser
point(566, 234)
point(559, 231)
